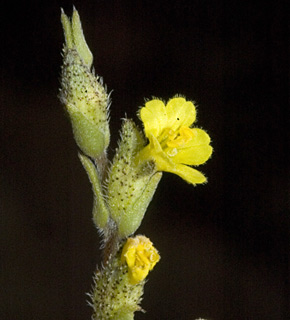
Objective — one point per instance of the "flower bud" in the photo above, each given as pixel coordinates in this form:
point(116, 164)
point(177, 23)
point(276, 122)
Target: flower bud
point(83, 94)
point(130, 186)
point(113, 296)
point(119, 285)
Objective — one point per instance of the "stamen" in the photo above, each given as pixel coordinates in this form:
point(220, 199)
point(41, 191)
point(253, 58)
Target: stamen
point(184, 135)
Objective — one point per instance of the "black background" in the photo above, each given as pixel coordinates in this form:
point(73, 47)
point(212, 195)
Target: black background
point(224, 245)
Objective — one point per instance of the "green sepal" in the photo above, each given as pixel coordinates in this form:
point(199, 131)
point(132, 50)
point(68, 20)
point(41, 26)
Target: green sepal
point(75, 38)
point(67, 30)
point(100, 210)
point(134, 215)
point(130, 186)
point(89, 137)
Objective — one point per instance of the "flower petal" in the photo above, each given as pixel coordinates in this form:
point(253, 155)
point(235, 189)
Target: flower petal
point(200, 138)
point(188, 174)
point(168, 164)
point(180, 113)
point(196, 151)
point(141, 257)
point(154, 117)
point(194, 155)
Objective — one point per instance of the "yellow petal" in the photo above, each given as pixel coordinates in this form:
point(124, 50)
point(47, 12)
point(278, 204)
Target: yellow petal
point(154, 117)
point(180, 113)
point(200, 137)
point(196, 150)
point(194, 155)
point(141, 257)
point(188, 174)
point(165, 163)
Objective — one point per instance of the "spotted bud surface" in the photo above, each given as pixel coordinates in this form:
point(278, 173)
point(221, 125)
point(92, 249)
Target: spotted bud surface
point(82, 92)
point(130, 186)
point(113, 296)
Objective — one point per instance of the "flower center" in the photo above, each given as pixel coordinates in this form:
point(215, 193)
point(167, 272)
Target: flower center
point(141, 258)
point(180, 138)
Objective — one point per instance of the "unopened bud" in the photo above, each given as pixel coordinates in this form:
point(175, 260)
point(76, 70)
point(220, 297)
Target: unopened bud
point(83, 94)
point(130, 186)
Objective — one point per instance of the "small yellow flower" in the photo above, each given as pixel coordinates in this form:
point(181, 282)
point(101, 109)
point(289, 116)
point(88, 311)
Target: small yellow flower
point(173, 144)
point(140, 256)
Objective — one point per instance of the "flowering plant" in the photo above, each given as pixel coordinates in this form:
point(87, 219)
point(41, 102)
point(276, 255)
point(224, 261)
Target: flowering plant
point(124, 187)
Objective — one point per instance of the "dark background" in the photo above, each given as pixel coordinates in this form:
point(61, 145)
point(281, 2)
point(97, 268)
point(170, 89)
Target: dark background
point(224, 245)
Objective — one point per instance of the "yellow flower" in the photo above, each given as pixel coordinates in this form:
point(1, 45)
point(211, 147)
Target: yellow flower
point(140, 256)
point(173, 144)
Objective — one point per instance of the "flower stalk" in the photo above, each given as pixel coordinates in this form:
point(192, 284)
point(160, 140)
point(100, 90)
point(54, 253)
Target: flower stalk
point(124, 187)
